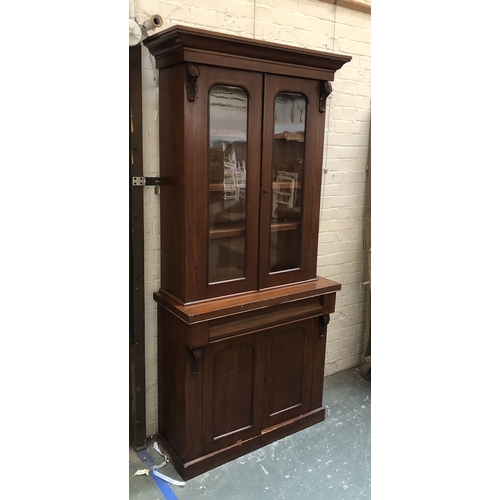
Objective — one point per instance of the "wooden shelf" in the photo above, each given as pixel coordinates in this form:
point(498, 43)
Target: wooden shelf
point(287, 185)
point(228, 135)
point(290, 136)
point(227, 229)
point(219, 187)
point(216, 187)
point(284, 226)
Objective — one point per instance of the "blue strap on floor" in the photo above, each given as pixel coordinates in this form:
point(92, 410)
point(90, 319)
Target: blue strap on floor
point(162, 485)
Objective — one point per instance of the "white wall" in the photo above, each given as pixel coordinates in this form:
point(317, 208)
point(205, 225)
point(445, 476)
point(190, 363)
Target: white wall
point(310, 24)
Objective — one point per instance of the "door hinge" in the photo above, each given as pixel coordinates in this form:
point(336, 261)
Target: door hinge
point(147, 181)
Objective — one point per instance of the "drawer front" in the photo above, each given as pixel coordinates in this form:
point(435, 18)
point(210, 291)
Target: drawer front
point(264, 318)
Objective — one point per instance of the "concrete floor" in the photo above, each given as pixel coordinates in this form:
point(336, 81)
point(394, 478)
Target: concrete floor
point(330, 460)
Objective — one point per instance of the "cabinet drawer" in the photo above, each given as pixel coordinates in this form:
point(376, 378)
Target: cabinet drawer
point(264, 318)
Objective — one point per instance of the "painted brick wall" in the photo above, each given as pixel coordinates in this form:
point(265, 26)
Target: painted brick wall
point(311, 24)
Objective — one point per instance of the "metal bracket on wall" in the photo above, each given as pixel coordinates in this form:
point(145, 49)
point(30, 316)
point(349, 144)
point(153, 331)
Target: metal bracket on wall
point(147, 181)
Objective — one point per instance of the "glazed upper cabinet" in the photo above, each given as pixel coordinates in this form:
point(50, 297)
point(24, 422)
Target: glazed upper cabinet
point(260, 155)
point(241, 139)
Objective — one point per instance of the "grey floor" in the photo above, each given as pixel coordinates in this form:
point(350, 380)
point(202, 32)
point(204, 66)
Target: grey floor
point(330, 460)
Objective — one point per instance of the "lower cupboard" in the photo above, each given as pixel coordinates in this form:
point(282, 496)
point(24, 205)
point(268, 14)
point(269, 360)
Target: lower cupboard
point(224, 391)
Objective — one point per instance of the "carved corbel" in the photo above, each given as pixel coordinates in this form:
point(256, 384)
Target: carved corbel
point(324, 319)
point(192, 75)
point(195, 356)
point(325, 89)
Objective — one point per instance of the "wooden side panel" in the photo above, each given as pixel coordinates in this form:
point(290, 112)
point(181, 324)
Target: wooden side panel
point(316, 143)
point(194, 181)
point(179, 389)
point(172, 196)
point(171, 381)
point(318, 366)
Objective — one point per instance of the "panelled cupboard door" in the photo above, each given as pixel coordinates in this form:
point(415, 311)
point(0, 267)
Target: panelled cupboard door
point(289, 371)
point(232, 381)
point(292, 151)
point(228, 139)
point(255, 381)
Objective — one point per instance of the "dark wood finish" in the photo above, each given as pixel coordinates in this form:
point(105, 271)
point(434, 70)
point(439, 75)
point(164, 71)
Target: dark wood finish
point(289, 379)
point(185, 82)
point(213, 309)
point(174, 217)
point(240, 360)
point(181, 43)
point(245, 386)
point(193, 468)
point(137, 355)
point(232, 405)
point(269, 361)
point(262, 319)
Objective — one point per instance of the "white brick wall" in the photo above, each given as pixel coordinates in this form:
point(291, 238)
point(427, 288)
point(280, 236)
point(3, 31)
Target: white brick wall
point(151, 229)
point(310, 24)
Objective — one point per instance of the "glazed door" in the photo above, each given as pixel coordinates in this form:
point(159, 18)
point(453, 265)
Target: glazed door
point(292, 148)
point(229, 122)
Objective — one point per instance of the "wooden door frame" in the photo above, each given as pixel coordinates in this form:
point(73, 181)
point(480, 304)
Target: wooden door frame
point(137, 356)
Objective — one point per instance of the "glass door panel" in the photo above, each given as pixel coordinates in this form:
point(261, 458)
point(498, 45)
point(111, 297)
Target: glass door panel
point(287, 178)
point(228, 121)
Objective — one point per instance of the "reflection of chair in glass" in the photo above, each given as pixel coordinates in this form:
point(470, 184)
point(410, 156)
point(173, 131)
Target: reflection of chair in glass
point(230, 165)
point(285, 192)
point(241, 179)
point(234, 174)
